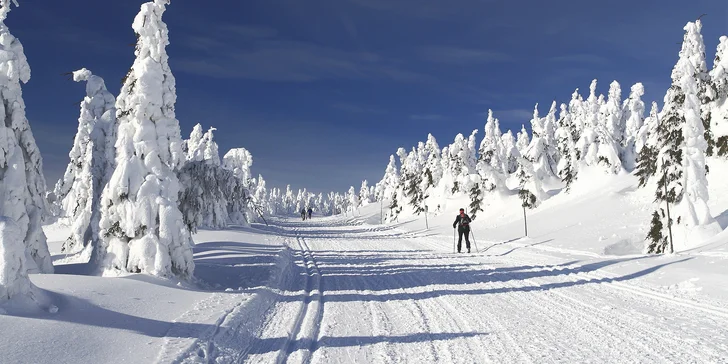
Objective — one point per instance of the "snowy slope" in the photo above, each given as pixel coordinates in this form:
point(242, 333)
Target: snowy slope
point(346, 289)
point(139, 318)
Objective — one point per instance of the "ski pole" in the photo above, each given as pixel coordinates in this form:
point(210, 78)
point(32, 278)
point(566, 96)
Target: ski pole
point(474, 243)
point(453, 240)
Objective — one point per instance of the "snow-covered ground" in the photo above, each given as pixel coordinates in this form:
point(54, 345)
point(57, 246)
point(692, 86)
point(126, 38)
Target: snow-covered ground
point(346, 289)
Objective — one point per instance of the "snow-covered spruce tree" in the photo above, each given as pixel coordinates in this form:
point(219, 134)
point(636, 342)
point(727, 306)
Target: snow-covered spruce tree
point(92, 161)
point(191, 146)
point(143, 228)
point(352, 199)
point(705, 89)
point(364, 198)
point(669, 160)
point(476, 196)
point(239, 160)
point(633, 114)
point(509, 153)
point(681, 158)
point(211, 196)
point(22, 184)
point(550, 124)
point(489, 151)
point(647, 146)
point(614, 127)
point(14, 281)
point(262, 204)
point(204, 149)
point(526, 180)
point(719, 106)
point(578, 118)
point(433, 166)
point(539, 152)
point(522, 141)
point(567, 166)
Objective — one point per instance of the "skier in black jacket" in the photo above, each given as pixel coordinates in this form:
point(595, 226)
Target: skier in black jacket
point(462, 221)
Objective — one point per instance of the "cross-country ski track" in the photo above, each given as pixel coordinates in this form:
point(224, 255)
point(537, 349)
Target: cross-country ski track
point(345, 293)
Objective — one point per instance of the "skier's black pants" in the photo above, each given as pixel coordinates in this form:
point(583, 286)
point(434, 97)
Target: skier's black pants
point(463, 230)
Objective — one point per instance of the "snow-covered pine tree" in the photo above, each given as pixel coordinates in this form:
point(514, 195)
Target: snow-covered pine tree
point(476, 194)
point(567, 166)
point(239, 160)
point(364, 198)
point(550, 125)
point(578, 118)
point(143, 228)
point(92, 162)
point(14, 279)
point(353, 199)
point(647, 146)
point(191, 146)
point(681, 158)
point(526, 180)
point(489, 146)
point(633, 114)
point(432, 171)
point(260, 196)
point(510, 153)
point(211, 196)
point(22, 184)
point(539, 152)
point(522, 141)
point(413, 183)
point(210, 153)
point(719, 107)
point(705, 90)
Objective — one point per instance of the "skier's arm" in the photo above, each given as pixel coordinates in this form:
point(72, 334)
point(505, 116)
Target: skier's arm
point(457, 218)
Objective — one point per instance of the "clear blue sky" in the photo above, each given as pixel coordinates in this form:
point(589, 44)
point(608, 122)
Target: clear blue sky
point(323, 91)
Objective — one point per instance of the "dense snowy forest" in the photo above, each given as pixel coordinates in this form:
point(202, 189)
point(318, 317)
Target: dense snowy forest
point(135, 191)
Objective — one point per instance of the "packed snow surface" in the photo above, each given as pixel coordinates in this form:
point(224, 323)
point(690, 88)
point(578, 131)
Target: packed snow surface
point(347, 289)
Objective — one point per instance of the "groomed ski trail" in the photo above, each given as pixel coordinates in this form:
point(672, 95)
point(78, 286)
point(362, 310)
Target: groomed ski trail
point(359, 294)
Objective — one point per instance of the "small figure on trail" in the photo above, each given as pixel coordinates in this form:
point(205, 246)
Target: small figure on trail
point(462, 221)
point(310, 211)
point(303, 214)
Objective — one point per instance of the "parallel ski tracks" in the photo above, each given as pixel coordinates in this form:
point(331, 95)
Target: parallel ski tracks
point(305, 328)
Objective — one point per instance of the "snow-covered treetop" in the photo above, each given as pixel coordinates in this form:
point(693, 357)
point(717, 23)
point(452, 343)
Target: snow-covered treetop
point(536, 122)
point(11, 50)
point(592, 91)
point(693, 50)
point(238, 160)
point(6, 8)
point(719, 73)
point(99, 99)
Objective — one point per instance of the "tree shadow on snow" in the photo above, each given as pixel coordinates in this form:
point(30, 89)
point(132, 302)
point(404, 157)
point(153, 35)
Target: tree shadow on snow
point(80, 311)
point(387, 282)
point(262, 346)
point(723, 219)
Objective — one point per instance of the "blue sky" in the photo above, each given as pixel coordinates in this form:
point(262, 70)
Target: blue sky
point(323, 91)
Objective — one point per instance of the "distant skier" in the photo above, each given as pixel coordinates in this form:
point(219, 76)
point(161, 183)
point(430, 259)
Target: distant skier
point(310, 211)
point(462, 221)
point(303, 214)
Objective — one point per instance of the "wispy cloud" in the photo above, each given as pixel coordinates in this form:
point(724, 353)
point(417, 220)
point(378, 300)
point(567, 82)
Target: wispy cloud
point(264, 56)
point(427, 117)
point(581, 58)
point(429, 9)
point(461, 56)
point(358, 109)
point(512, 115)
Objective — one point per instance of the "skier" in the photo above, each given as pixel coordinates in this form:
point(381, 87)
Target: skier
point(303, 214)
point(462, 221)
point(310, 211)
